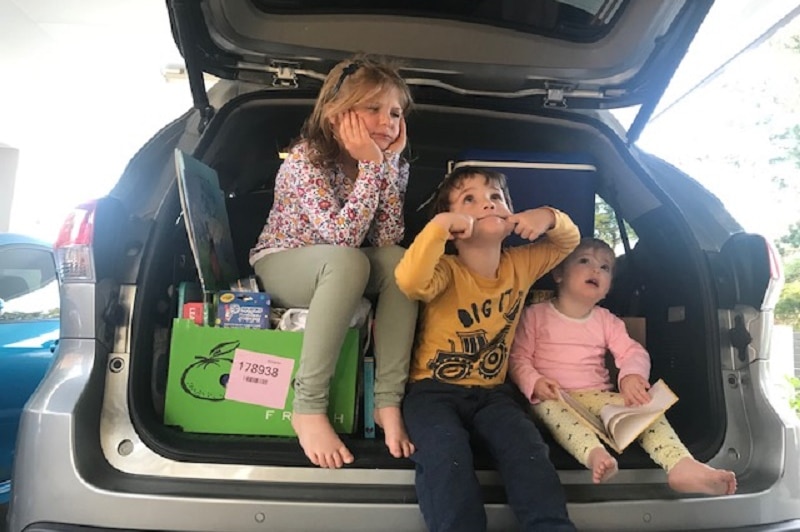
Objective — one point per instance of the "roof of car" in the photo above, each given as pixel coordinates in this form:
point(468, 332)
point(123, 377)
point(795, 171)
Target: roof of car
point(16, 238)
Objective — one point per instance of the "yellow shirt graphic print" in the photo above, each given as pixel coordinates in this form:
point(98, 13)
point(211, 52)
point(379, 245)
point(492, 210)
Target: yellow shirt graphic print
point(475, 355)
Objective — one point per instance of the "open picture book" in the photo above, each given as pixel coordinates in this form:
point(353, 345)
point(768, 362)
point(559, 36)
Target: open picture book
point(620, 425)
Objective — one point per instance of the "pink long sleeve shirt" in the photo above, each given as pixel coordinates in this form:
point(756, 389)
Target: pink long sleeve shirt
point(572, 351)
point(315, 205)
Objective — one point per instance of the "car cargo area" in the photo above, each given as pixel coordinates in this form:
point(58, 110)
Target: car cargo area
point(662, 279)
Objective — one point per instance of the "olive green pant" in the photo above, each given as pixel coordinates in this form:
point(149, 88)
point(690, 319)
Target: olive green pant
point(659, 440)
point(330, 281)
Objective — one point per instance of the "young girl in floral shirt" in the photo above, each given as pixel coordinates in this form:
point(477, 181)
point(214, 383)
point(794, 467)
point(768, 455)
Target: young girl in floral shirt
point(344, 182)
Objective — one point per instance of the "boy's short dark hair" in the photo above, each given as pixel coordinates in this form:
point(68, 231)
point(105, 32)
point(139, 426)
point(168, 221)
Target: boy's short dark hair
point(441, 200)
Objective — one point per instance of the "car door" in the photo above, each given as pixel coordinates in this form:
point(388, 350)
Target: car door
point(29, 329)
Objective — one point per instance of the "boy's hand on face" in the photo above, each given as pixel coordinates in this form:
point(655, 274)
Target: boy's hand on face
point(458, 225)
point(399, 143)
point(533, 223)
point(634, 390)
point(354, 137)
point(546, 389)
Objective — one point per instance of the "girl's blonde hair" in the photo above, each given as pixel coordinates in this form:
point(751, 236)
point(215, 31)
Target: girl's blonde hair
point(347, 84)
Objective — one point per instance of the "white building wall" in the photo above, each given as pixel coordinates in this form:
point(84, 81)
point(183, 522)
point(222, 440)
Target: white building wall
point(8, 170)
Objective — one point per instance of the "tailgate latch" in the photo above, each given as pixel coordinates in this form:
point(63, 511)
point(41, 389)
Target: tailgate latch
point(284, 74)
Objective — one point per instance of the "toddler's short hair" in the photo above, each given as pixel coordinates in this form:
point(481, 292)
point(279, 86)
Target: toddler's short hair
point(588, 243)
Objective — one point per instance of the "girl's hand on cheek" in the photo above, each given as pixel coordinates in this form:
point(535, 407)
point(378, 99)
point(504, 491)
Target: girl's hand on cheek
point(399, 143)
point(355, 139)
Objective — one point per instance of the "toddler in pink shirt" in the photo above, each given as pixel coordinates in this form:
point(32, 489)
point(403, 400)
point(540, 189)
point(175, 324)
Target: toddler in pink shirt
point(561, 345)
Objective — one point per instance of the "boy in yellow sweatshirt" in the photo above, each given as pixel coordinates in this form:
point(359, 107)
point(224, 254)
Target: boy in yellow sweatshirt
point(457, 391)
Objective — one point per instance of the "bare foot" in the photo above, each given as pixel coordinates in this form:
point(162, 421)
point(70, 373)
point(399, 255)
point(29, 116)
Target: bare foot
point(691, 476)
point(602, 464)
point(319, 441)
point(391, 421)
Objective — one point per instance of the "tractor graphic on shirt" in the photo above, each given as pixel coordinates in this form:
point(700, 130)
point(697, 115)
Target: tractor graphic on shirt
point(476, 349)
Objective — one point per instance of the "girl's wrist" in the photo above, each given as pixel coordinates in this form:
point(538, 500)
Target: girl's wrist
point(388, 153)
point(369, 162)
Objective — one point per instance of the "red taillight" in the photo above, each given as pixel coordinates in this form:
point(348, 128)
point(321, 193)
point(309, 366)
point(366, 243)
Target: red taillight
point(73, 246)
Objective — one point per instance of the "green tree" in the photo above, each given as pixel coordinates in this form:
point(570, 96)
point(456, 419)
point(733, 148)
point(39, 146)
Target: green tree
point(791, 271)
point(605, 223)
point(790, 242)
point(794, 401)
point(606, 227)
point(787, 310)
point(789, 144)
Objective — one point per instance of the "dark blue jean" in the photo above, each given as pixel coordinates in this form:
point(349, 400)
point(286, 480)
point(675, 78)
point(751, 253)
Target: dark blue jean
point(441, 420)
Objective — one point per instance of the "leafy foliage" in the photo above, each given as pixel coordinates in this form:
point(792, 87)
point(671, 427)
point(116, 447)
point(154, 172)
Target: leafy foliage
point(794, 43)
point(605, 224)
point(790, 242)
point(792, 271)
point(788, 142)
point(794, 401)
point(787, 310)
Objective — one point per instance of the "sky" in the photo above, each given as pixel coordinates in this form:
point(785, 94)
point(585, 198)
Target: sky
point(81, 111)
point(722, 134)
point(84, 99)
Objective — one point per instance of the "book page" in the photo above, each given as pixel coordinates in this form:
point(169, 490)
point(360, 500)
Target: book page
point(625, 423)
point(627, 428)
point(612, 414)
point(661, 398)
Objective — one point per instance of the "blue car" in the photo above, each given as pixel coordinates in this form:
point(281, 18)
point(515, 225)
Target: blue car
point(29, 329)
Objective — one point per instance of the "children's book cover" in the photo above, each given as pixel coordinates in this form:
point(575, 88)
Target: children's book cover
point(206, 221)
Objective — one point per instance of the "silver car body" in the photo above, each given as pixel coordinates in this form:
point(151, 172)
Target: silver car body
point(84, 462)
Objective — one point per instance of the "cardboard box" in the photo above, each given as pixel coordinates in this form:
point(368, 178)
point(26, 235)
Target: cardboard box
point(200, 363)
point(249, 310)
point(636, 328)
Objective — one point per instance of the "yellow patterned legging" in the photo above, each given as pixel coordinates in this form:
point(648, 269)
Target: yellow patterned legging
point(659, 440)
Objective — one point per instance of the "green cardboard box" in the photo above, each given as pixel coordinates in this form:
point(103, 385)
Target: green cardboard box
point(200, 361)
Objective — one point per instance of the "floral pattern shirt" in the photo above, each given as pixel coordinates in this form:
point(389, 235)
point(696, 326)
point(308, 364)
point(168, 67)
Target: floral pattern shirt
point(315, 205)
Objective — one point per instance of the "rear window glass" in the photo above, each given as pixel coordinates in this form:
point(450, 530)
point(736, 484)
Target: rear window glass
point(28, 285)
point(579, 20)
